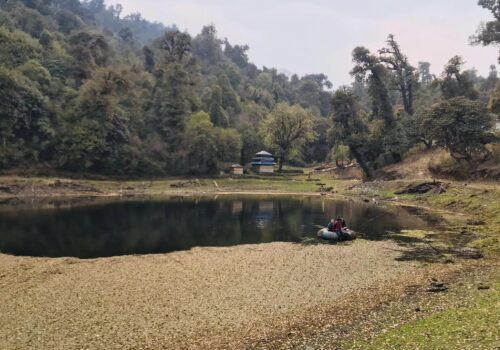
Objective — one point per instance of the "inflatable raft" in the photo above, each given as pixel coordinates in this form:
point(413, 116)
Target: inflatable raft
point(347, 235)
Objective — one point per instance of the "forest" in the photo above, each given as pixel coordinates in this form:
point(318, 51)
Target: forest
point(84, 89)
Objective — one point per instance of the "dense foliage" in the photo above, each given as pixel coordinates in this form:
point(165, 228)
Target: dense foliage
point(393, 106)
point(84, 89)
point(460, 125)
point(489, 33)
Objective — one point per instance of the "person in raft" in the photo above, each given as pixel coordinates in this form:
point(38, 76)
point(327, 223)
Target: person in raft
point(331, 225)
point(337, 225)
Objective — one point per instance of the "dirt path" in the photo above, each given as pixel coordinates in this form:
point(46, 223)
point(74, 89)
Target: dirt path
point(203, 298)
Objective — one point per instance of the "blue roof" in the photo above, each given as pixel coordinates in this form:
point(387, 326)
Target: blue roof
point(262, 159)
point(263, 163)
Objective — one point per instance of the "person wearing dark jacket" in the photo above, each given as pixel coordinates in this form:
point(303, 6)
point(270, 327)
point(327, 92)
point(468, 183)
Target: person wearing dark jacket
point(331, 225)
point(344, 224)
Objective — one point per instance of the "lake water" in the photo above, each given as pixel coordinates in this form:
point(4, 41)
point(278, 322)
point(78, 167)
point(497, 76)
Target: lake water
point(125, 227)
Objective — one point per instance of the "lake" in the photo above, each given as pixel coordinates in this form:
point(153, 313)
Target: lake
point(145, 226)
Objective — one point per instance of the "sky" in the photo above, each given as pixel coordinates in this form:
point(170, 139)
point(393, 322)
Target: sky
point(318, 36)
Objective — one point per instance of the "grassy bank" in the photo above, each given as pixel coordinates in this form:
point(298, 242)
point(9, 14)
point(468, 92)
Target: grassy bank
point(465, 318)
point(471, 209)
point(468, 317)
point(41, 187)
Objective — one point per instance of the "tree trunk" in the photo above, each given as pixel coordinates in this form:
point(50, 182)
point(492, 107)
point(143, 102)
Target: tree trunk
point(406, 103)
point(361, 162)
point(280, 162)
point(410, 99)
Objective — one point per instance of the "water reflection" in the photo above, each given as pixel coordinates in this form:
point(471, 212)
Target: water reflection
point(157, 226)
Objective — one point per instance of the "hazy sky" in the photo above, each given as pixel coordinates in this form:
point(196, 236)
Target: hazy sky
point(317, 36)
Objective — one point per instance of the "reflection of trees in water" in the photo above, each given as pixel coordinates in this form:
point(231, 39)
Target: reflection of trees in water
point(291, 219)
point(150, 227)
point(371, 220)
point(374, 222)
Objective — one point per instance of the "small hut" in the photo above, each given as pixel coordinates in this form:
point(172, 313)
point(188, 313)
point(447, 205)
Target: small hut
point(263, 163)
point(236, 169)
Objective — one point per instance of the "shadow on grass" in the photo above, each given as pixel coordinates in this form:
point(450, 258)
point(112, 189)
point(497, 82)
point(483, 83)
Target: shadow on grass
point(421, 250)
point(437, 244)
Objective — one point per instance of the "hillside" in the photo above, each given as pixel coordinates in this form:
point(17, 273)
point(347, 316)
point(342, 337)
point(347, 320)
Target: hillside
point(437, 163)
point(85, 90)
point(415, 166)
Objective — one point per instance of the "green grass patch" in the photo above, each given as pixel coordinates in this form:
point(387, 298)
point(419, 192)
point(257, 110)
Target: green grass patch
point(472, 326)
point(477, 201)
point(416, 233)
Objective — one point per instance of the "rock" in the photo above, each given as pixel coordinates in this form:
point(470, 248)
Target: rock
point(11, 189)
point(180, 184)
point(437, 287)
point(475, 222)
point(323, 167)
point(469, 253)
point(483, 287)
point(436, 186)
